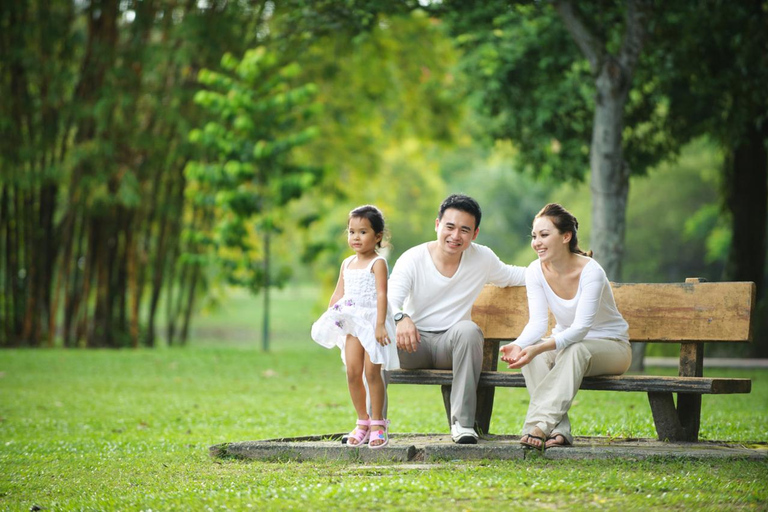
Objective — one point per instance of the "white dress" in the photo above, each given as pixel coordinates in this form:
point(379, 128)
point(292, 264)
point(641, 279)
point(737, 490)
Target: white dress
point(355, 313)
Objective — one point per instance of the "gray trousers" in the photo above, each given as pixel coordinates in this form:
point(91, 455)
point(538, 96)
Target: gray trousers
point(554, 377)
point(460, 349)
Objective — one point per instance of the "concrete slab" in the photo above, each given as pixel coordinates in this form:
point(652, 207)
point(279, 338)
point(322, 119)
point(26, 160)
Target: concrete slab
point(435, 448)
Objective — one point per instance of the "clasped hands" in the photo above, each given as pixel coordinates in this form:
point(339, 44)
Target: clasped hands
point(517, 357)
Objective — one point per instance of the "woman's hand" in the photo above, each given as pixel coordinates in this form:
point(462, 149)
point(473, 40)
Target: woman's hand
point(516, 359)
point(510, 353)
point(524, 356)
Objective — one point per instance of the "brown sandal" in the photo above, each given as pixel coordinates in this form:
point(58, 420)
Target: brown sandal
point(525, 441)
point(555, 438)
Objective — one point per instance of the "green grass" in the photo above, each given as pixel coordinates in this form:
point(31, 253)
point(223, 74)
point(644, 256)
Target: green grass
point(130, 430)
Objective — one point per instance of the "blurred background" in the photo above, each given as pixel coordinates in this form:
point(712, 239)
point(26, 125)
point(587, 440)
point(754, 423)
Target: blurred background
point(180, 172)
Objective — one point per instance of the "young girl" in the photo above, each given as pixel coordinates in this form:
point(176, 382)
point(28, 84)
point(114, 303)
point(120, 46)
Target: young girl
point(357, 321)
point(590, 337)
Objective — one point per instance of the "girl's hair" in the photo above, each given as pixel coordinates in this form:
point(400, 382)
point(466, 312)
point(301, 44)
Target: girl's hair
point(565, 222)
point(375, 217)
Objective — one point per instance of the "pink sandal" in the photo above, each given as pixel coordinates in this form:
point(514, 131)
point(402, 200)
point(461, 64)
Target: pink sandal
point(378, 435)
point(359, 435)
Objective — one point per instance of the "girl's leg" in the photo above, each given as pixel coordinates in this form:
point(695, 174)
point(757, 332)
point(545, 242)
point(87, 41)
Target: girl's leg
point(355, 356)
point(377, 391)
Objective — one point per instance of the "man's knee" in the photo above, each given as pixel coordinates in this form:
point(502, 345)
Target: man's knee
point(467, 335)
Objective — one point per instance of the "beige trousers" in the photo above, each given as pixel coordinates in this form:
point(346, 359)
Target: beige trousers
point(554, 377)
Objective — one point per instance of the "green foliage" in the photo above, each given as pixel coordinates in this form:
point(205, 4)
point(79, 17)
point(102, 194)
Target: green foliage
point(259, 116)
point(390, 110)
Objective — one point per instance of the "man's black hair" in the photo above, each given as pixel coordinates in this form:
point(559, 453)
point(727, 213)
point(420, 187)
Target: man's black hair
point(463, 203)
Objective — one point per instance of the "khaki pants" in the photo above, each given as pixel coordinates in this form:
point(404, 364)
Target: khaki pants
point(460, 349)
point(554, 377)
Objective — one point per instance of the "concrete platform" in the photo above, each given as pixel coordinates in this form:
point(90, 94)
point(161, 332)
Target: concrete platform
point(435, 448)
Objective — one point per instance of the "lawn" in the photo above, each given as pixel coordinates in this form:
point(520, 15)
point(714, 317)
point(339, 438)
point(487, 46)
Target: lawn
point(130, 430)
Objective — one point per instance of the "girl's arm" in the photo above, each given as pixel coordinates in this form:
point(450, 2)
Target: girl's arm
point(380, 273)
point(338, 293)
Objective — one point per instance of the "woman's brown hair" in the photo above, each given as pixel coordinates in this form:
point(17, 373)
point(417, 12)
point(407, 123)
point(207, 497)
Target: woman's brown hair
point(565, 222)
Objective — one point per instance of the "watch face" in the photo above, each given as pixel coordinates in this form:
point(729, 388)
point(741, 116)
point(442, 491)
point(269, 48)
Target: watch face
point(399, 317)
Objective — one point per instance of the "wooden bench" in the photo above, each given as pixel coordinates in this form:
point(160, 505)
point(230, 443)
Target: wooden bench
point(690, 313)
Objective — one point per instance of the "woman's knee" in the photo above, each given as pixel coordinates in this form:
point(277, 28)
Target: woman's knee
point(577, 351)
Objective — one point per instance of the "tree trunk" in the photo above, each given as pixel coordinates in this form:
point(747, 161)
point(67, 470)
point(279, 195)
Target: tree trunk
point(610, 173)
point(265, 325)
point(746, 195)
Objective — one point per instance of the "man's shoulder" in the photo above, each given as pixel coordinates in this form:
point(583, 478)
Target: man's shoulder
point(411, 259)
point(415, 252)
point(477, 248)
point(481, 252)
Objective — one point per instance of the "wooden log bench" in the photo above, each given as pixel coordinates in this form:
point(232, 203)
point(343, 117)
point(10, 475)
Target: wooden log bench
point(691, 314)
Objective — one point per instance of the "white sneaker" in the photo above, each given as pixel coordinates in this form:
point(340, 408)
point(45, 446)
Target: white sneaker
point(463, 435)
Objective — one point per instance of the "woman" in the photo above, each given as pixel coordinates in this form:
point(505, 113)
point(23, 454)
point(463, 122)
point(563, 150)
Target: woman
point(590, 337)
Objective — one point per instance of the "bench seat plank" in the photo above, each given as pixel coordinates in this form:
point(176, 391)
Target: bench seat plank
point(646, 383)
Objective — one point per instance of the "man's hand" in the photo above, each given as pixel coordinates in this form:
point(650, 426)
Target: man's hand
point(408, 337)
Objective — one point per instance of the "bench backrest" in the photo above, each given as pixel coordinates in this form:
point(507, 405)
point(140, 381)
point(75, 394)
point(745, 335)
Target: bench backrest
point(656, 312)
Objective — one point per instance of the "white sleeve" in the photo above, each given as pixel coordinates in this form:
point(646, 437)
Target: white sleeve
point(538, 310)
point(501, 274)
point(400, 282)
point(586, 309)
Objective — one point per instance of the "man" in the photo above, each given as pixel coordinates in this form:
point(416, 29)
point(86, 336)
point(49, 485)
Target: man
point(431, 292)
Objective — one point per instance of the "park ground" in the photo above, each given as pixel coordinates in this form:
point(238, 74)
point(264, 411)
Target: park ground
point(131, 429)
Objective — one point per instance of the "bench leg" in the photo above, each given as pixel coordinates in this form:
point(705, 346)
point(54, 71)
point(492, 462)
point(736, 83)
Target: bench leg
point(679, 423)
point(485, 397)
point(665, 417)
point(447, 403)
point(689, 412)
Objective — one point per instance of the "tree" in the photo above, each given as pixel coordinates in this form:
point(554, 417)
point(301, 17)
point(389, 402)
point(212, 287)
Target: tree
point(249, 177)
point(94, 111)
point(714, 70)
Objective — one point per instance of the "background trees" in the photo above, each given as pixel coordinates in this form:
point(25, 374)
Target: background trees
point(103, 238)
point(258, 118)
point(96, 107)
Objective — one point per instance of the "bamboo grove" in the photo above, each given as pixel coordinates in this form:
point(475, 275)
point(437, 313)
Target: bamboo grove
point(96, 106)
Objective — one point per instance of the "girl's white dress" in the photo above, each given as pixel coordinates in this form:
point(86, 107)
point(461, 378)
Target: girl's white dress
point(355, 313)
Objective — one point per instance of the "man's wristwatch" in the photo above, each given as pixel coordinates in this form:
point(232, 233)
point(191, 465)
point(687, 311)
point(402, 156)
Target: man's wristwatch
point(399, 316)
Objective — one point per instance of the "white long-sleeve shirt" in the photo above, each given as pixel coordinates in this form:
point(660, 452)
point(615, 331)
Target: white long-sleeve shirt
point(592, 313)
point(436, 302)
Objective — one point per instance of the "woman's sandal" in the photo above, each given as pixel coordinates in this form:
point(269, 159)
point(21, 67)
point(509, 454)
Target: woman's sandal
point(556, 438)
point(359, 435)
point(525, 441)
point(379, 434)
